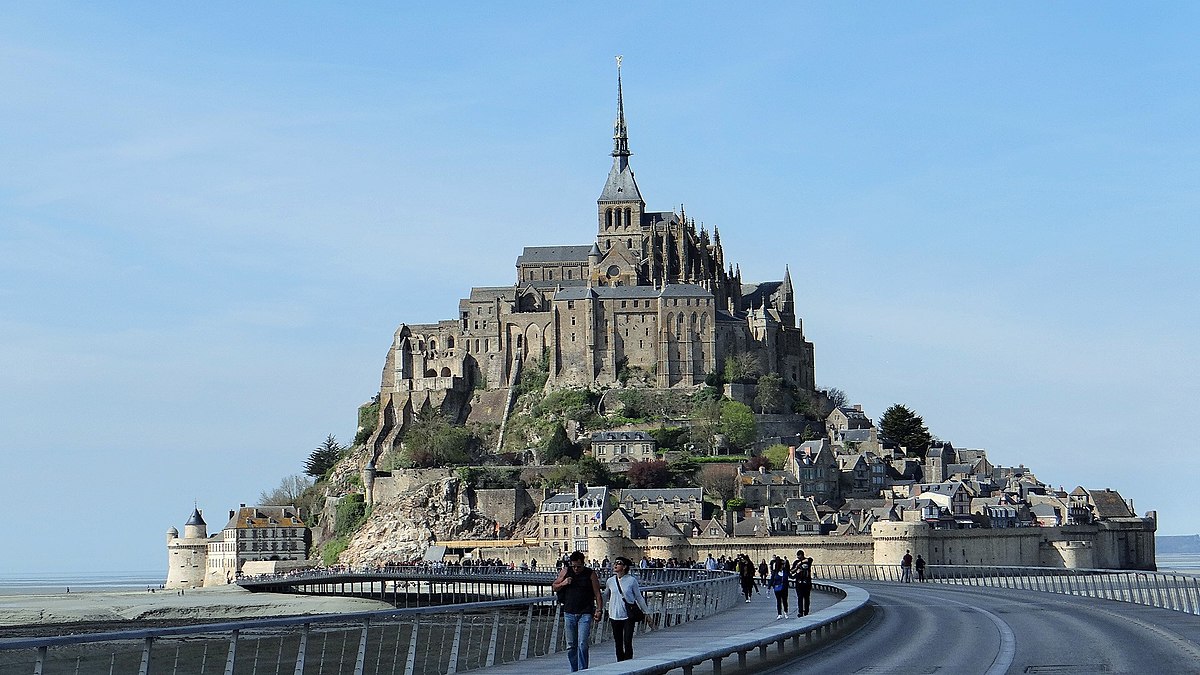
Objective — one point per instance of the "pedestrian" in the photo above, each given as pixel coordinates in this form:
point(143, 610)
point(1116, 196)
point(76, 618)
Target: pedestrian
point(906, 567)
point(802, 576)
point(710, 564)
point(745, 570)
point(779, 584)
point(763, 571)
point(625, 598)
point(581, 602)
point(920, 568)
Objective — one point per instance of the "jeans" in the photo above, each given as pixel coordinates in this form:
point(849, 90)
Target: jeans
point(803, 598)
point(579, 632)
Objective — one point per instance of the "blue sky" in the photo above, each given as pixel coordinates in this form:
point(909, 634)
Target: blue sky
point(212, 218)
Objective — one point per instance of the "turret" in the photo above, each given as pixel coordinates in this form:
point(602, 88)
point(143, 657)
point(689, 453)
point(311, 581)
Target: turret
point(195, 527)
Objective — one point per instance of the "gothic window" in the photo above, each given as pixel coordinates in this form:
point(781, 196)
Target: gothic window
point(628, 217)
point(450, 342)
point(608, 243)
point(568, 274)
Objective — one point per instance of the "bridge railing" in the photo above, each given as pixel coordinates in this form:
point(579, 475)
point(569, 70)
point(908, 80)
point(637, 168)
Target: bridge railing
point(1165, 590)
point(413, 641)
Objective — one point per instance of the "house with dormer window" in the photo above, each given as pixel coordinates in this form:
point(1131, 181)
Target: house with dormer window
point(568, 518)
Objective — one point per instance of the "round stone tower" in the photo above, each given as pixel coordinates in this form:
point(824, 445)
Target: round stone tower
point(187, 556)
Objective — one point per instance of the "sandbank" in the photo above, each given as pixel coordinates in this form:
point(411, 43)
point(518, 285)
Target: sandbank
point(221, 603)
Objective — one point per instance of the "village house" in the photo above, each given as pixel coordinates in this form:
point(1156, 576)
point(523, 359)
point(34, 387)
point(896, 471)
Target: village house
point(568, 518)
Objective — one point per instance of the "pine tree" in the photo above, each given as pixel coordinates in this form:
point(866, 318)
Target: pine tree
point(323, 457)
point(906, 428)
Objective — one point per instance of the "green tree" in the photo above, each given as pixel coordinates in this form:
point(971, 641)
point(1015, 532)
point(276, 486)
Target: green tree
point(432, 440)
point(777, 455)
point(906, 428)
point(559, 448)
point(322, 459)
point(770, 393)
point(668, 437)
point(592, 471)
point(738, 425)
point(683, 471)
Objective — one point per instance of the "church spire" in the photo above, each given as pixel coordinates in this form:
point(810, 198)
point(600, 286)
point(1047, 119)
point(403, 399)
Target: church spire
point(621, 186)
point(620, 133)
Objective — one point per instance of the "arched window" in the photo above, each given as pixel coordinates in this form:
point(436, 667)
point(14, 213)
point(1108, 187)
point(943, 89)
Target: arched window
point(430, 373)
point(450, 342)
point(432, 345)
point(628, 217)
point(445, 372)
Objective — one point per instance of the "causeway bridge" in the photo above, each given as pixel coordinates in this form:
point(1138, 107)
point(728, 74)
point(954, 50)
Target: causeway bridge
point(865, 619)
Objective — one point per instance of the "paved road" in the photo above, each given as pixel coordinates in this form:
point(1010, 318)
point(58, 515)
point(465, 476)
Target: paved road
point(920, 629)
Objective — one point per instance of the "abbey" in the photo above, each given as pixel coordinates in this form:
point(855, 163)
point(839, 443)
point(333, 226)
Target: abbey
point(650, 295)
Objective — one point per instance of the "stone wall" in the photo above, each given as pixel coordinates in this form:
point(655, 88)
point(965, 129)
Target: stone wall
point(509, 505)
point(1111, 545)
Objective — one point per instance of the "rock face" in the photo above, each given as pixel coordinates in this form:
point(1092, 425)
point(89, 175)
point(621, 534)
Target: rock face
point(402, 527)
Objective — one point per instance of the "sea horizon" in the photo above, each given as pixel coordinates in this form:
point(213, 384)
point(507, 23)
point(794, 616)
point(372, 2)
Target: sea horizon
point(29, 583)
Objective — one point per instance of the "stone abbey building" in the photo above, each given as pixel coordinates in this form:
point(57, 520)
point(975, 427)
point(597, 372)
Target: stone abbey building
point(651, 294)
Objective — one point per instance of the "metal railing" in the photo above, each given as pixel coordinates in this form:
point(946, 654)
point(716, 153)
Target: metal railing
point(1164, 590)
point(412, 641)
point(810, 630)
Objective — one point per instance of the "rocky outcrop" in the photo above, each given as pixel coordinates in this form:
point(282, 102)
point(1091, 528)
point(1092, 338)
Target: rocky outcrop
point(402, 527)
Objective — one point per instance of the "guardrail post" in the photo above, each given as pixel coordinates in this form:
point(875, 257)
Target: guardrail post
point(229, 659)
point(301, 649)
point(529, 631)
point(553, 629)
point(454, 645)
point(491, 653)
point(360, 660)
point(144, 667)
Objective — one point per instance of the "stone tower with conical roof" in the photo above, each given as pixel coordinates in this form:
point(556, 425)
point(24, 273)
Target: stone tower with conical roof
point(187, 556)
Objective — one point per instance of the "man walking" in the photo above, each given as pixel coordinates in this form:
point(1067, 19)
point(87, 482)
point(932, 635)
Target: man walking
point(581, 602)
point(906, 567)
point(920, 568)
point(802, 577)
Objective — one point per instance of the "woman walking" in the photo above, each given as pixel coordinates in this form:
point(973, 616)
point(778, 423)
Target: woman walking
point(779, 584)
point(624, 598)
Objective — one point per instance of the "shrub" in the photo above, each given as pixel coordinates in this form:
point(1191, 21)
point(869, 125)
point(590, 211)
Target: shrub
point(351, 513)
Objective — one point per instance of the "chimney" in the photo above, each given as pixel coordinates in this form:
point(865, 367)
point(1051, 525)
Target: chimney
point(858, 407)
point(231, 513)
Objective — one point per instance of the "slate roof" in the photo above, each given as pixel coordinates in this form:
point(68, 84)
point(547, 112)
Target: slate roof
point(252, 517)
point(554, 254)
point(196, 518)
point(1109, 504)
point(664, 528)
point(856, 435)
point(621, 185)
point(481, 293)
point(753, 295)
point(666, 494)
point(621, 436)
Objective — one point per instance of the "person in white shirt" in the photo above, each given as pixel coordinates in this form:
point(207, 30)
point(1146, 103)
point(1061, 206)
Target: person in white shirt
point(622, 587)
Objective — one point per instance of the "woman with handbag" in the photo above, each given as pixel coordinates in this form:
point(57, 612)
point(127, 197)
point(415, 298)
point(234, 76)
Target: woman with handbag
point(626, 606)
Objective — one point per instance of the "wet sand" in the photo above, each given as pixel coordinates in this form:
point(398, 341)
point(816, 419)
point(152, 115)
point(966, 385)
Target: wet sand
point(24, 614)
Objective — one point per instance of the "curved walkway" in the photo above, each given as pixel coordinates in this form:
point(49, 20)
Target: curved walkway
point(746, 621)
